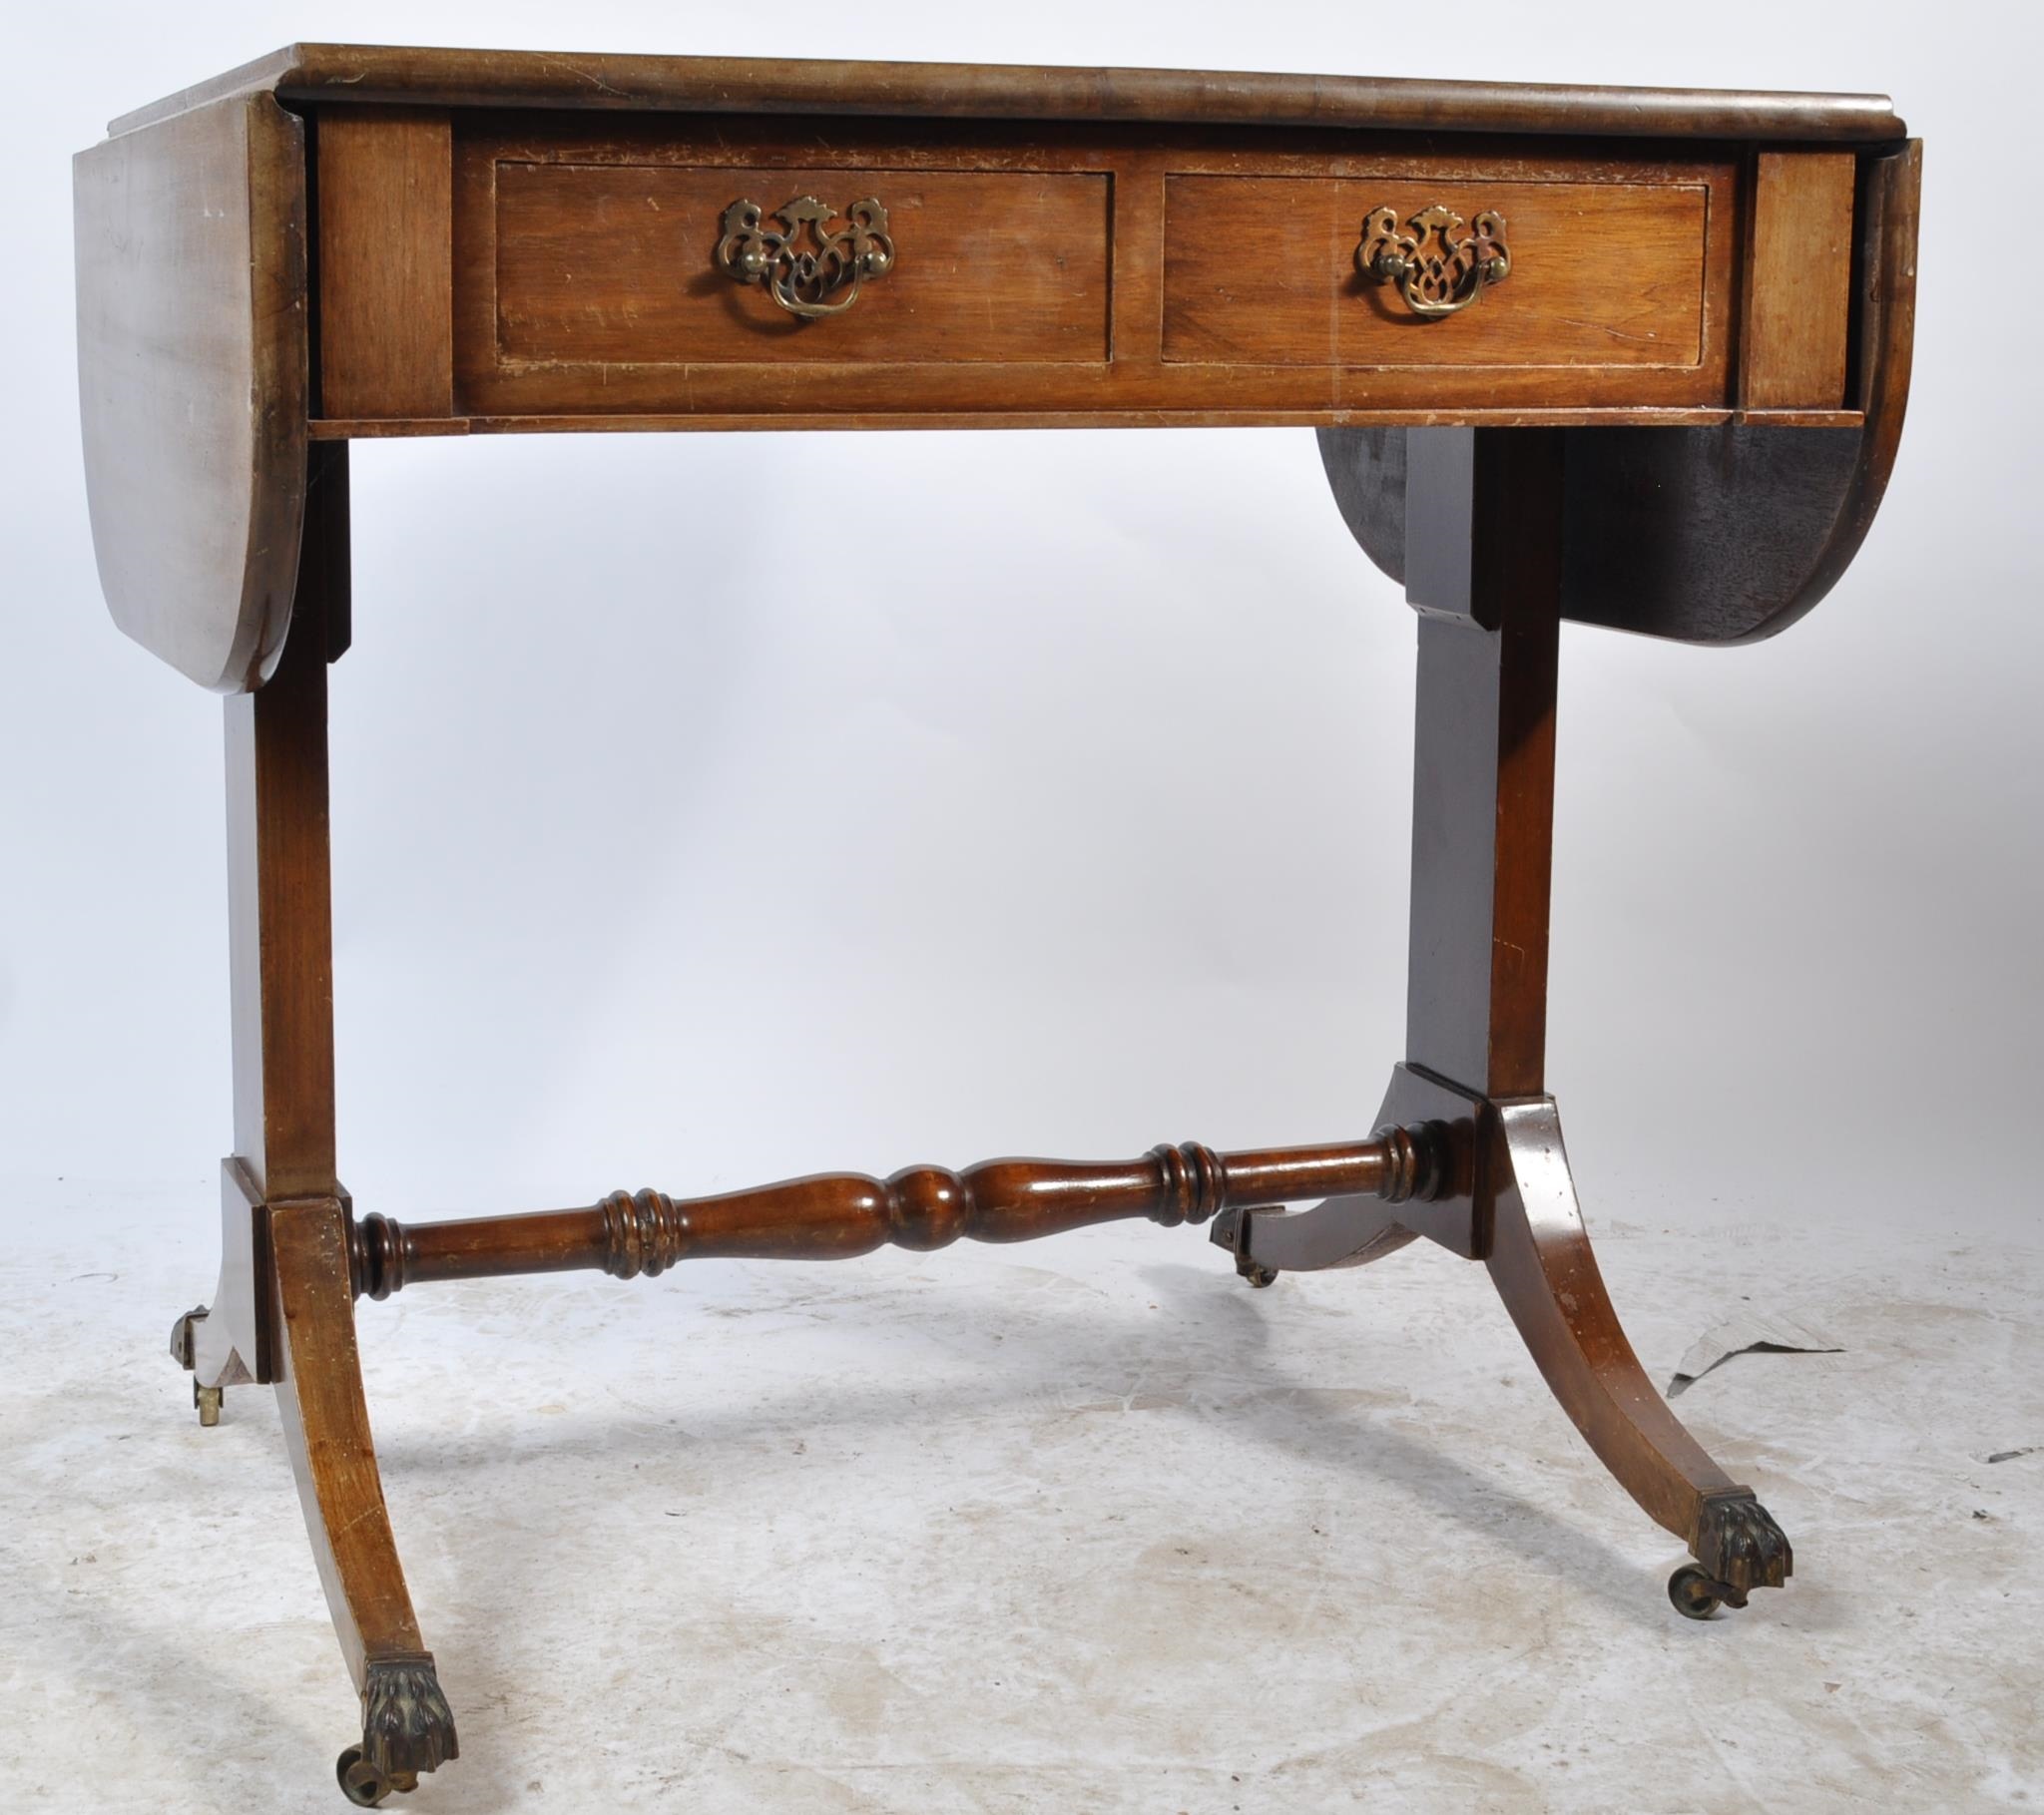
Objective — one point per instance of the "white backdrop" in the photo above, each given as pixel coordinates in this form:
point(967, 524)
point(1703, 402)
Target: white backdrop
point(926, 796)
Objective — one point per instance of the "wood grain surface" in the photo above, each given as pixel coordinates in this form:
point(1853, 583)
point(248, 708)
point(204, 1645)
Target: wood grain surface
point(586, 283)
point(620, 82)
point(1799, 280)
point(615, 263)
point(835, 1216)
point(192, 381)
point(386, 262)
point(1261, 272)
point(1726, 532)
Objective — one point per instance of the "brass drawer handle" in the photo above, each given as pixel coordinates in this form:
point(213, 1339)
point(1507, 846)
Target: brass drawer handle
point(1438, 267)
point(818, 278)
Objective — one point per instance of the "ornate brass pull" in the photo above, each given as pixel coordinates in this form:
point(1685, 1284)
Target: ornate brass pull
point(818, 278)
point(1438, 267)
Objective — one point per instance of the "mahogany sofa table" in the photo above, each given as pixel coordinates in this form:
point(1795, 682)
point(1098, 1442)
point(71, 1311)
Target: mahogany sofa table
point(1632, 357)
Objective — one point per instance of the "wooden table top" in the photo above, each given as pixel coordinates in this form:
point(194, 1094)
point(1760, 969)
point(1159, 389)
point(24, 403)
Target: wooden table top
point(342, 241)
point(474, 78)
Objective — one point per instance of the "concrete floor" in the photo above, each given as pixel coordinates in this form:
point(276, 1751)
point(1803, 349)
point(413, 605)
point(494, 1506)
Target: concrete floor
point(1083, 1525)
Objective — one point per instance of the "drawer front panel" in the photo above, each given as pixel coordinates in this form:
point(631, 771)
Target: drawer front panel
point(1061, 277)
point(616, 264)
point(1262, 271)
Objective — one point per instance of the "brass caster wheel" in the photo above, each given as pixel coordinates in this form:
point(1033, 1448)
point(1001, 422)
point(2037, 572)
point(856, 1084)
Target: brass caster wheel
point(1255, 1274)
point(208, 1400)
point(366, 1786)
point(360, 1782)
point(1694, 1594)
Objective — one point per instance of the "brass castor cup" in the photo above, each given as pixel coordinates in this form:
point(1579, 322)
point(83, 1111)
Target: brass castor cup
point(1738, 1547)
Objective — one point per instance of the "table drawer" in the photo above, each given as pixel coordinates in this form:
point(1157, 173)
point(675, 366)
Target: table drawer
point(600, 272)
point(1263, 270)
point(632, 264)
